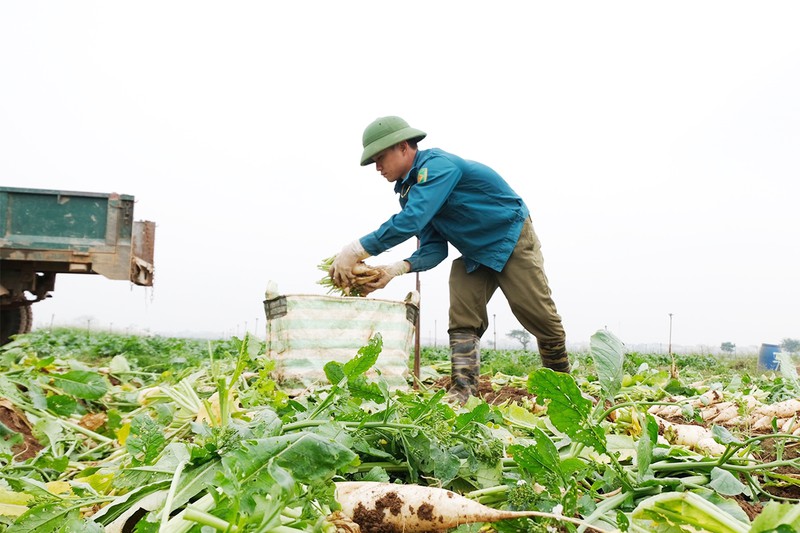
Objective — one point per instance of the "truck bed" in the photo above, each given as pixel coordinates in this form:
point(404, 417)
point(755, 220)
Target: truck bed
point(47, 232)
point(75, 232)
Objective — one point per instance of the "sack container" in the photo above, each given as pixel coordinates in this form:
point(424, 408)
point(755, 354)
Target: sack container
point(304, 332)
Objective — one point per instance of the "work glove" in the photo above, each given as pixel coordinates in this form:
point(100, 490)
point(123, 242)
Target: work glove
point(388, 273)
point(342, 268)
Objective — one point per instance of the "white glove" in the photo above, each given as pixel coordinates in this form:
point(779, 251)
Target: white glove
point(389, 272)
point(342, 269)
point(396, 269)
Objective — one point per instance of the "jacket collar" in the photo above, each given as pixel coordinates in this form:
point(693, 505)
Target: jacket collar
point(411, 177)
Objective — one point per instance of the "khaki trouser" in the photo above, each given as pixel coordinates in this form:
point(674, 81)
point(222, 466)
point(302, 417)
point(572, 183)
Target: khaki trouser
point(524, 285)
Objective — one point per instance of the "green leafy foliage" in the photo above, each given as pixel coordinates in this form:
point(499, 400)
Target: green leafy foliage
point(777, 517)
point(540, 460)
point(687, 512)
point(82, 384)
point(570, 412)
point(146, 440)
point(608, 354)
point(213, 439)
point(353, 372)
point(150, 353)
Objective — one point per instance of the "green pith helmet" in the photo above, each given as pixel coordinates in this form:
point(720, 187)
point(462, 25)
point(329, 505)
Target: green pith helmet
point(384, 132)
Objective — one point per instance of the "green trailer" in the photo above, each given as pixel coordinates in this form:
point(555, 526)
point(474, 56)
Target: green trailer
point(49, 232)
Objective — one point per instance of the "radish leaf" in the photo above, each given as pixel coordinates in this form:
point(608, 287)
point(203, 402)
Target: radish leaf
point(568, 410)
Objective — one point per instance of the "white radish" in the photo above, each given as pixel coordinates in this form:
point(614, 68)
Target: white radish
point(788, 425)
point(761, 423)
point(745, 411)
point(667, 411)
point(708, 398)
point(697, 438)
point(784, 409)
point(728, 413)
point(390, 507)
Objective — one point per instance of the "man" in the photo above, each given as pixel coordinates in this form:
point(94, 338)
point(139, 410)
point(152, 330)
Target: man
point(445, 198)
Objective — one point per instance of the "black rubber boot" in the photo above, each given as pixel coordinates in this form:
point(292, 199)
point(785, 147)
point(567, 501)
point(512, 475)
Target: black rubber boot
point(554, 356)
point(465, 366)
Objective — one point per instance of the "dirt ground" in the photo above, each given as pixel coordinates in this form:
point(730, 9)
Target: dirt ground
point(490, 394)
point(17, 422)
point(786, 489)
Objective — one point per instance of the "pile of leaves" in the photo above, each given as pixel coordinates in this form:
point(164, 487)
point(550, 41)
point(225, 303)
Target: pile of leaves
point(220, 447)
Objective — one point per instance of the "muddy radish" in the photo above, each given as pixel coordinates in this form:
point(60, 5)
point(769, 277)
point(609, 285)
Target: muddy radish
point(389, 507)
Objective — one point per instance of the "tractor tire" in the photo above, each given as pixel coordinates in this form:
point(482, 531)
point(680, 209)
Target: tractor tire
point(15, 321)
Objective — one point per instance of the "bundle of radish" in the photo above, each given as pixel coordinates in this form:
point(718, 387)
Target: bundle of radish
point(364, 274)
point(388, 507)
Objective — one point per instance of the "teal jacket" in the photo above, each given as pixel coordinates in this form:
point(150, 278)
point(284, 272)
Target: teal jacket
point(445, 198)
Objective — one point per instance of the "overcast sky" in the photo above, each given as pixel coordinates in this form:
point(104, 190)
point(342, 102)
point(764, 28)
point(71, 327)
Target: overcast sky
point(656, 144)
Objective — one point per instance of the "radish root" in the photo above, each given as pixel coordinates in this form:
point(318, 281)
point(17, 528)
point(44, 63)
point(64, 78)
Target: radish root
point(388, 508)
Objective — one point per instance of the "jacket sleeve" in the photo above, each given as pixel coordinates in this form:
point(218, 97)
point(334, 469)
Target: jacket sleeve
point(424, 201)
point(432, 250)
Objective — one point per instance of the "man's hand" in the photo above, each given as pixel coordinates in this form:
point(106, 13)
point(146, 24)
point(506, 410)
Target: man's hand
point(342, 269)
point(388, 273)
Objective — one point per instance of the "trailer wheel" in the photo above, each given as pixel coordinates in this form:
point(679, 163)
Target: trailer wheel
point(14, 322)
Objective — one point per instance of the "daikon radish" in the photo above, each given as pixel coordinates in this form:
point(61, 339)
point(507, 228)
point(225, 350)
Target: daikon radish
point(729, 413)
point(744, 411)
point(708, 398)
point(697, 438)
point(784, 409)
point(389, 507)
point(759, 423)
point(668, 411)
point(789, 425)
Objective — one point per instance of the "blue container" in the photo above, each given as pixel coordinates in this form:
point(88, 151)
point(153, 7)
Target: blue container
point(767, 357)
